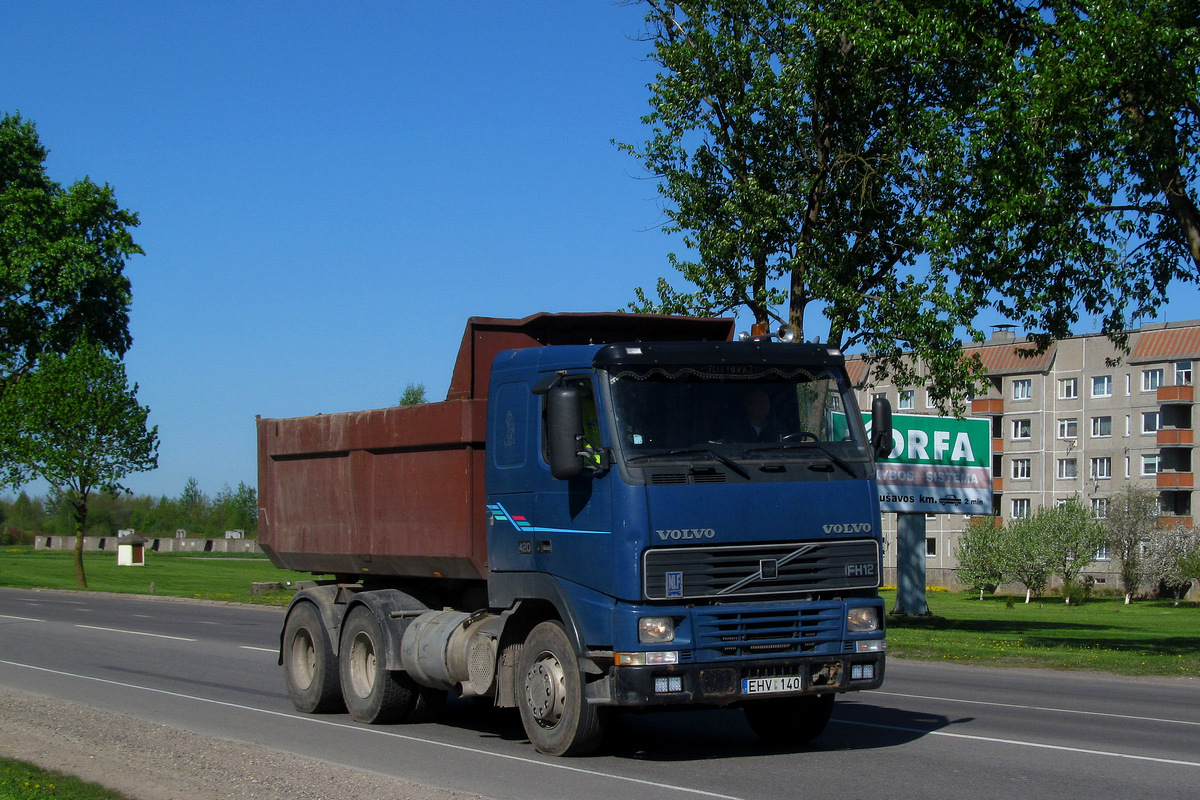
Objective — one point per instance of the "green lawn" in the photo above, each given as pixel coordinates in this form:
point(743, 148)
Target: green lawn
point(22, 781)
point(203, 577)
point(1149, 637)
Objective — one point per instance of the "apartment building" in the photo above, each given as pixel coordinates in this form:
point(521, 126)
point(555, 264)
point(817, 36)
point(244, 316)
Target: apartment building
point(1081, 420)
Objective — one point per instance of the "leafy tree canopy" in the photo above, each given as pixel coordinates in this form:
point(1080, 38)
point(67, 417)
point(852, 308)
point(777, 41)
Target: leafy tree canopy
point(413, 395)
point(904, 165)
point(62, 257)
point(75, 423)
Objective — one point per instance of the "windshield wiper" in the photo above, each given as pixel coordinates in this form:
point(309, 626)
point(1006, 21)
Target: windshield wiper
point(696, 451)
point(834, 457)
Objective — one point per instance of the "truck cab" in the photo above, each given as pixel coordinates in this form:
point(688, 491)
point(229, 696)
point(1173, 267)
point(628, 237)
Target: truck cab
point(608, 511)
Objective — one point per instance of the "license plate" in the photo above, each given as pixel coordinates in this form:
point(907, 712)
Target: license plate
point(790, 683)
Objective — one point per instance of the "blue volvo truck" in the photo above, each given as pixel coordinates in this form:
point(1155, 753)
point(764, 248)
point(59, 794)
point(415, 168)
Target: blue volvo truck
point(608, 512)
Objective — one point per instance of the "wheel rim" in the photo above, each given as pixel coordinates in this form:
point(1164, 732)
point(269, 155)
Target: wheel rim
point(546, 690)
point(362, 665)
point(304, 659)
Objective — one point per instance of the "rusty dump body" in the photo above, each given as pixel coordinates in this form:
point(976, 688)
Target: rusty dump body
point(399, 492)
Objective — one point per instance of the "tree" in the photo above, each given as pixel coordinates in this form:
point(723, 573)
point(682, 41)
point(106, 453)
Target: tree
point(1026, 556)
point(75, 423)
point(237, 509)
point(1072, 536)
point(414, 395)
point(1131, 520)
point(1170, 555)
point(62, 258)
point(906, 165)
point(191, 499)
point(980, 555)
point(802, 150)
point(1084, 163)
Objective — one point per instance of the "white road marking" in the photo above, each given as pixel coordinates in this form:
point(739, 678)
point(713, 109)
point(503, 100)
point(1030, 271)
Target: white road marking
point(378, 732)
point(22, 619)
point(273, 650)
point(1019, 743)
point(1039, 708)
point(137, 633)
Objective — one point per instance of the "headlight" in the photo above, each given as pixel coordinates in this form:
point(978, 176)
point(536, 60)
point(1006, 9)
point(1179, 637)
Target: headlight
point(656, 630)
point(862, 620)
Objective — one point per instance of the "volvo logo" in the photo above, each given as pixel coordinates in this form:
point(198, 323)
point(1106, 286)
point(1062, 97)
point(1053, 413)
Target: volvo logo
point(849, 527)
point(687, 533)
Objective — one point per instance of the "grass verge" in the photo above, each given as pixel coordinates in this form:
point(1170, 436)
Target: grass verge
point(1148, 637)
point(22, 781)
point(200, 577)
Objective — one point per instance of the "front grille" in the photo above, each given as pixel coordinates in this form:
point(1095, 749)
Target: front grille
point(680, 573)
point(763, 632)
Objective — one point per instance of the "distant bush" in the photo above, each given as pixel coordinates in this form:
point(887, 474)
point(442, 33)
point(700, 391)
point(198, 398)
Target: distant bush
point(10, 536)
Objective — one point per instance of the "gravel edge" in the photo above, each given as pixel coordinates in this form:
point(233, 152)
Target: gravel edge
point(150, 761)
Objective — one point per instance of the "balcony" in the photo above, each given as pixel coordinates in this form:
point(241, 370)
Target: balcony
point(993, 406)
point(997, 485)
point(1176, 480)
point(997, 445)
point(1174, 395)
point(1176, 437)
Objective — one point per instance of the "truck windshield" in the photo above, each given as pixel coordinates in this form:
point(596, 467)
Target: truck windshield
point(734, 412)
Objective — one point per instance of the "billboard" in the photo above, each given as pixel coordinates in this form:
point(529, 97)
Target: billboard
point(938, 465)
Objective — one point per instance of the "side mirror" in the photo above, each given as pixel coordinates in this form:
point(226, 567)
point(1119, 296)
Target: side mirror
point(564, 431)
point(881, 427)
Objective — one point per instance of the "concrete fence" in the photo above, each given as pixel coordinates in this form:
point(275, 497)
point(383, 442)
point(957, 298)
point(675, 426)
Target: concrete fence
point(163, 544)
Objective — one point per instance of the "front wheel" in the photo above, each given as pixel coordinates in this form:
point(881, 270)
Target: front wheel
point(373, 693)
point(790, 721)
point(554, 710)
point(310, 669)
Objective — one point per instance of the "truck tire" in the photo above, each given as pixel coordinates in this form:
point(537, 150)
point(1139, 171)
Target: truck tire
point(790, 721)
point(310, 668)
point(557, 717)
point(373, 693)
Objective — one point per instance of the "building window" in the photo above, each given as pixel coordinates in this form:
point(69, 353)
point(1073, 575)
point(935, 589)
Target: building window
point(1150, 422)
point(1102, 468)
point(907, 400)
point(1150, 465)
point(1020, 508)
point(1021, 429)
point(1022, 389)
point(1021, 469)
point(1183, 373)
point(1067, 469)
point(1102, 553)
point(1100, 507)
point(1151, 379)
point(1068, 428)
point(930, 547)
point(1068, 388)
point(1102, 386)
point(1101, 427)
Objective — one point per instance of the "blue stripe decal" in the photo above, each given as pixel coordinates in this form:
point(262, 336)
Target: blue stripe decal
point(500, 514)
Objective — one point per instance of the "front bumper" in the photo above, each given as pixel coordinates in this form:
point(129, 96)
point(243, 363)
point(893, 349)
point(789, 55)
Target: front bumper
point(722, 683)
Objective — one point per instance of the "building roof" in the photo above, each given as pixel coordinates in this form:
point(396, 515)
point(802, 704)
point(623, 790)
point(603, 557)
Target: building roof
point(1172, 343)
point(1006, 358)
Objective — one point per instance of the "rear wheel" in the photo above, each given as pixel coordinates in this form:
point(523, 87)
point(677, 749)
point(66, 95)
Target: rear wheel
point(554, 710)
point(310, 668)
point(374, 694)
point(790, 721)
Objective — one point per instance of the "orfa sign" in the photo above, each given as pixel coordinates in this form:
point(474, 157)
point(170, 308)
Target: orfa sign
point(938, 465)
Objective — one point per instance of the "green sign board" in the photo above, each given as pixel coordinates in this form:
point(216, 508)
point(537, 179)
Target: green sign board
point(938, 465)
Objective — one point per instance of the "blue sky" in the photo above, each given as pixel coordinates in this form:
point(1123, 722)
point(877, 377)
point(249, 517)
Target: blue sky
point(328, 190)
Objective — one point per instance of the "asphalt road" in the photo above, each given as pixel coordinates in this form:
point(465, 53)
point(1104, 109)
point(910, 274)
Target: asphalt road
point(933, 731)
